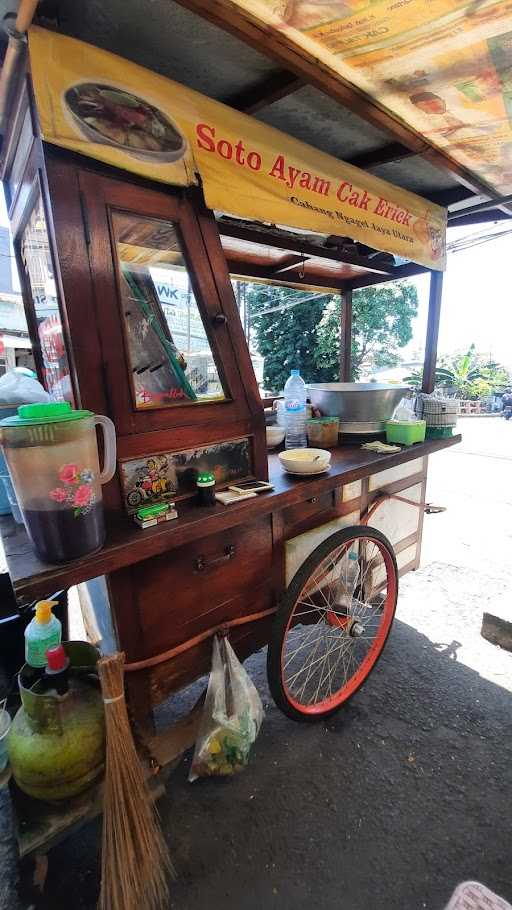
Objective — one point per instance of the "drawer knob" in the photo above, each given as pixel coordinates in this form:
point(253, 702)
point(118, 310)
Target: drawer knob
point(219, 319)
point(201, 562)
point(314, 499)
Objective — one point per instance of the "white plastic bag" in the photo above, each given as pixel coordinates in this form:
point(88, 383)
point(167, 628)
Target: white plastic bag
point(232, 716)
point(404, 411)
point(16, 387)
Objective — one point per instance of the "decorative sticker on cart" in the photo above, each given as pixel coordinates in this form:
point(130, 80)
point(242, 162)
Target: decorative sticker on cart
point(170, 476)
point(98, 104)
point(444, 67)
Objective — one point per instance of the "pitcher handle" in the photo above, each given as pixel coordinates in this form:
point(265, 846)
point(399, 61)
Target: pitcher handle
point(109, 447)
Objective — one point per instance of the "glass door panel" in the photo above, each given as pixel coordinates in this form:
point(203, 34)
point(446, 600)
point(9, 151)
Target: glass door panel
point(37, 261)
point(169, 352)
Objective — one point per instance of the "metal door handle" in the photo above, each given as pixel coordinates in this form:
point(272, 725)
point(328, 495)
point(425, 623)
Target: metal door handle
point(201, 563)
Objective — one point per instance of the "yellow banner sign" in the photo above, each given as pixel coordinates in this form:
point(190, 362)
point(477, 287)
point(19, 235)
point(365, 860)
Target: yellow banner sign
point(443, 66)
point(110, 109)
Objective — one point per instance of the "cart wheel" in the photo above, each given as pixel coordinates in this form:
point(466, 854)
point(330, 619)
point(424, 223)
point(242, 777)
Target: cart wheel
point(332, 624)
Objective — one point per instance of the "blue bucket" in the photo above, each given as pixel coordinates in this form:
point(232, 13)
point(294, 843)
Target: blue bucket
point(5, 505)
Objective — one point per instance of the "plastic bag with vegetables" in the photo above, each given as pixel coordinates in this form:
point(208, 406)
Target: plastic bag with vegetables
point(231, 719)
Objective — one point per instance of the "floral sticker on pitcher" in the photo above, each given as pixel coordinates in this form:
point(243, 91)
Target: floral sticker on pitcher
point(77, 490)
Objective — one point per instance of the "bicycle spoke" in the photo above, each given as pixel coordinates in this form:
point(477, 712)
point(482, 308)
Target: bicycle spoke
point(337, 627)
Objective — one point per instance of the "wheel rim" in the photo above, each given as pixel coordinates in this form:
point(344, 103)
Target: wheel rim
point(336, 630)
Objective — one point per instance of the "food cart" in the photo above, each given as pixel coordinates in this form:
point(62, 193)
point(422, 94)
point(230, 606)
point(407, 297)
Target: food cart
point(119, 181)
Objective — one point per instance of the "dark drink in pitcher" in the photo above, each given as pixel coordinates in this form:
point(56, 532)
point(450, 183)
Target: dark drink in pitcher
point(52, 455)
point(60, 536)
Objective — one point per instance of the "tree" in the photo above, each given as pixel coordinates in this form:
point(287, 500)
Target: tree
point(286, 337)
point(382, 324)
point(306, 335)
point(459, 372)
point(466, 375)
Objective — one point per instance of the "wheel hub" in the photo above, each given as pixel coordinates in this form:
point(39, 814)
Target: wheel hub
point(355, 629)
point(349, 624)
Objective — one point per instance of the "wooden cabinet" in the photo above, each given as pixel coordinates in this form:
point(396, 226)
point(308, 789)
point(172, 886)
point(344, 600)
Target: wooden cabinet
point(198, 586)
point(173, 598)
point(119, 244)
point(308, 513)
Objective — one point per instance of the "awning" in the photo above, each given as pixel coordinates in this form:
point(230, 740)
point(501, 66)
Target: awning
point(16, 341)
point(110, 109)
point(443, 67)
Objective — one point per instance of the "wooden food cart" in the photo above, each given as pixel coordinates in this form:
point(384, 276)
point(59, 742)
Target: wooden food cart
point(213, 194)
point(101, 228)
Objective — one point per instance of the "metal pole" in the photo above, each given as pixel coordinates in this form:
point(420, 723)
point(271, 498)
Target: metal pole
point(434, 314)
point(480, 207)
point(345, 353)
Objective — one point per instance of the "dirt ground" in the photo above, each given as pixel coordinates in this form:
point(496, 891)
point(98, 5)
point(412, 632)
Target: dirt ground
point(395, 800)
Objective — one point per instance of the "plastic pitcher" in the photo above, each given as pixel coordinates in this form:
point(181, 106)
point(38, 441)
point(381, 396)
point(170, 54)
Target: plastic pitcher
point(52, 456)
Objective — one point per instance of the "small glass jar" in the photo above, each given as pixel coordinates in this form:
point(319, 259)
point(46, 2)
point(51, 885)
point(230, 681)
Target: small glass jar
point(323, 432)
point(205, 485)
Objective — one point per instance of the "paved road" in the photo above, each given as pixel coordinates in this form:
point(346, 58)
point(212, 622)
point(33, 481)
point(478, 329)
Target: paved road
point(406, 793)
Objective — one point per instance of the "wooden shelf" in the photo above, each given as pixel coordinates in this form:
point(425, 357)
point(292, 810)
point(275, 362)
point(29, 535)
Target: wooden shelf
point(127, 544)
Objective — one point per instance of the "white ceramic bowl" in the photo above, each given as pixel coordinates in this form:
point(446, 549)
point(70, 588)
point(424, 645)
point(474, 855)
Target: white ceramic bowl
point(275, 436)
point(305, 461)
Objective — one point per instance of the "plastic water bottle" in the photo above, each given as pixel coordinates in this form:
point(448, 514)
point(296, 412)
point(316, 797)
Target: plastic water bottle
point(295, 395)
point(348, 579)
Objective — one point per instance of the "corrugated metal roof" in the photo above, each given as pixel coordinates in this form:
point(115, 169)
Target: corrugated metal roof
point(163, 36)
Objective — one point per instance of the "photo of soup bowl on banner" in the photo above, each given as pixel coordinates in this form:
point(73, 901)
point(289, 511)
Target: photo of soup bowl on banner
point(112, 116)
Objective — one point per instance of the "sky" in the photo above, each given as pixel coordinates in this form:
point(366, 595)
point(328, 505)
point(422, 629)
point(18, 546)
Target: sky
point(476, 306)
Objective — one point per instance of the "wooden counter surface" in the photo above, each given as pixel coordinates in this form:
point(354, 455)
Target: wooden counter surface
point(127, 544)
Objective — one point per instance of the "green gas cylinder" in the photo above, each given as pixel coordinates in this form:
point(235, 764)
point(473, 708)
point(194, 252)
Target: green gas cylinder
point(56, 744)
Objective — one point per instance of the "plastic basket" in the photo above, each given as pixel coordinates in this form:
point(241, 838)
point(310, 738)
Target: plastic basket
point(440, 412)
point(405, 432)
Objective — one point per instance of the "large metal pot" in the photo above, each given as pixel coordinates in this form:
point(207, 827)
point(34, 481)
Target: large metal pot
point(361, 406)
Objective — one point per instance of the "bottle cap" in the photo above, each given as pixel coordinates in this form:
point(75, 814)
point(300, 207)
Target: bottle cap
point(205, 479)
point(44, 610)
point(57, 659)
point(295, 372)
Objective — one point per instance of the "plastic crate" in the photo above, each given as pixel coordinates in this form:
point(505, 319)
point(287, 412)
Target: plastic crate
point(405, 432)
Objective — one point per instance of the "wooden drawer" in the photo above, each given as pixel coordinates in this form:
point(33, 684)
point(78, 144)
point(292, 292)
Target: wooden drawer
point(301, 513)
point(200, 585)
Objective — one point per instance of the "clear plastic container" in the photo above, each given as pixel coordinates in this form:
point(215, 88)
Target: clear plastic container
point(52, 456)
point(295, 394)
point(323, 432)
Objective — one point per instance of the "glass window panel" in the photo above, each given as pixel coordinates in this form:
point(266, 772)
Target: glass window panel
point(170, 355)
point(35, 253)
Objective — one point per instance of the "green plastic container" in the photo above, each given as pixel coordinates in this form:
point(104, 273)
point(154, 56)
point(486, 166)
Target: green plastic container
point(439, 432)
point(405, 432)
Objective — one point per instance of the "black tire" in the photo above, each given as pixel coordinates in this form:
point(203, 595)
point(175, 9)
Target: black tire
point(288, 603)
point(134, 498)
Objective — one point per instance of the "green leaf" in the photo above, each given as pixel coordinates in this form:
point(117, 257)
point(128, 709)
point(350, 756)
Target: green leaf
point(307, 336)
